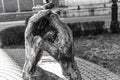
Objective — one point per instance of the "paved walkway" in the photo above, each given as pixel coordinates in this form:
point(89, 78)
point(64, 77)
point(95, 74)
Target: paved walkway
point(92, 71)
point(9, 70)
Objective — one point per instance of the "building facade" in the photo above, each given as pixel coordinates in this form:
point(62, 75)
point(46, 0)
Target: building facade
point(81, 2)
point(26, 5)
point(18, 5)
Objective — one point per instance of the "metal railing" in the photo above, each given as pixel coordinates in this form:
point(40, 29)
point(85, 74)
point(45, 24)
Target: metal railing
point(88, 10)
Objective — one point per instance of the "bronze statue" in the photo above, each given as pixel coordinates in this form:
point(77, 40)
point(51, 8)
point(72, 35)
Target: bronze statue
point(46, 32)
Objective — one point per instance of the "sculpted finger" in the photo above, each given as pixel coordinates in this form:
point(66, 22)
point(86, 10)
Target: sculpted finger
point(40, 14)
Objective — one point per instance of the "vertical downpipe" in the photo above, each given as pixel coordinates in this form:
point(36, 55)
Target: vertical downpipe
point(18, 5)
point(3, 6)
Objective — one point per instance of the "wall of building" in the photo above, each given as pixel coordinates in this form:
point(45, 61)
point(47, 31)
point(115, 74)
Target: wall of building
point(10, 5)
point(38, 2)
point(81, 2)
point(24, 5)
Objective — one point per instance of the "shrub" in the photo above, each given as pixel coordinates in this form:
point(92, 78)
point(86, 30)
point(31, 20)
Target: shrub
point(15, 35)
point(99, 26)
point(12, 36)
point(76, 28)
point(87, 28)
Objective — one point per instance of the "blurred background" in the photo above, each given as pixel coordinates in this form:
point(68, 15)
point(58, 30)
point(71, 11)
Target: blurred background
point(20, 9)
point(72, 7)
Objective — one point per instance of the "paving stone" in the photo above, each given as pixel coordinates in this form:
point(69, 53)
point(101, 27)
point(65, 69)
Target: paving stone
point(9, 70)
point(95, 72)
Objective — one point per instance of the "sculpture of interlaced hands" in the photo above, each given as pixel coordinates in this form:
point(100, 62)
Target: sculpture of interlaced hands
point(46, 32)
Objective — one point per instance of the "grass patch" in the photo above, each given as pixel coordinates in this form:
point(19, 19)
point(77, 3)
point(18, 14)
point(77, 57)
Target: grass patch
point(12, 36)
point(103, 50)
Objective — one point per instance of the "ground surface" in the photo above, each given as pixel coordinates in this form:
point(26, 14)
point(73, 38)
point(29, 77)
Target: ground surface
point(103, 50)
point(89, 71)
